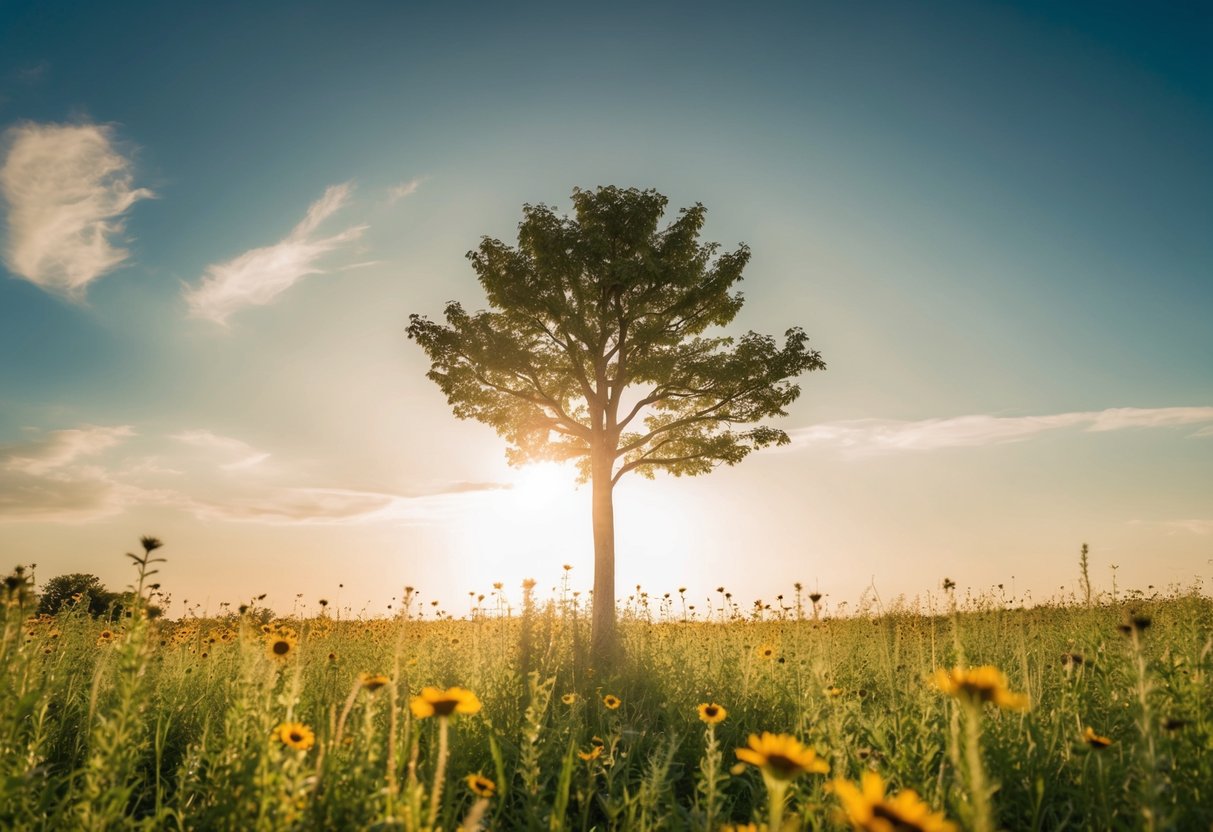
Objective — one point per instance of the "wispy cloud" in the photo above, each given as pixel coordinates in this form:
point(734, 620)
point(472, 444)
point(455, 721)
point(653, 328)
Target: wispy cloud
point(87, 473)
point(1191, 526)
point(61, 448)
point(258, 276)
point(241, 455)
point(873, 436)
point(399, 192)
point(67, 189)
point(52, 478)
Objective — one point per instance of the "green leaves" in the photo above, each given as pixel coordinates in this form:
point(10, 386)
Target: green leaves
point(597, 329)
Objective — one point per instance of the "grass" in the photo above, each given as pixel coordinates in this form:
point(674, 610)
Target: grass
point(175, 724)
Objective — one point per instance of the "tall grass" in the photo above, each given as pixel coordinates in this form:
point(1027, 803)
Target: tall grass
point(173, 724)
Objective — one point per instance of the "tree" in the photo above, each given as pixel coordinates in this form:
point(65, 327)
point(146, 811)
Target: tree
point(64, 589)
point(597, 349)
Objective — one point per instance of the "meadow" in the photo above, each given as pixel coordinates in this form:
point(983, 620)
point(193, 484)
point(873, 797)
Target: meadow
point(947, 713)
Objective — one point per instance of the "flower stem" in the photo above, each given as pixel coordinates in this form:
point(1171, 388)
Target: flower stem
point(983, 820)
point(776, 792)
point(439, 771)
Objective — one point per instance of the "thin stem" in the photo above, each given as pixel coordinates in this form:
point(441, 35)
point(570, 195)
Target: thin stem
point(776, 791)
point(983, 820)
point(439, 771)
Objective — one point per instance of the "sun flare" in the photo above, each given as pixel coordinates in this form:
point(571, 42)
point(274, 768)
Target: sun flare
point(542, 485)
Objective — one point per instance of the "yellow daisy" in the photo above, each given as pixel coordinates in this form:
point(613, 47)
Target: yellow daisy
point(372, 681)
point(711, 713)
point(295, 735)
point(569, 698)
point(480, 785)
point(781, 756)
point(1095, 740)
point(611, 701)
point(980, 684)
point(593, 754)
point(280, 646)
point(869, 810)
point(437, 702)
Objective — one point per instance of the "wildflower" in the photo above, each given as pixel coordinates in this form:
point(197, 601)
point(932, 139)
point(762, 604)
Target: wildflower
point(436, 702)
point(295, 735)
point(612, 702)
point(280, 646)
point(372, 681)
point(980, 684)
point(781, 756)
point(569, 698)
point(480, 785)
point(1094, 740)
point(832, 692)
point(743, 827)
point(765, 651)
point(711, 713)
point(869, 810)
point(593, 754)
point(105, 637)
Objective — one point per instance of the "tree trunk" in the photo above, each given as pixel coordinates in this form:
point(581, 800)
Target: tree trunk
point(603, 638)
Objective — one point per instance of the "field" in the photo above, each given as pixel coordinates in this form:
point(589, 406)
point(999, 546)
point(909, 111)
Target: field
point(250, 722)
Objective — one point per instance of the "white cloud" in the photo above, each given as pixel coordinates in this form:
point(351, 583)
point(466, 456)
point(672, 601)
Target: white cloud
point(399, 192)
point(61, 448)
point(67, 189)
point(258, 276)
point(76, 475)
point(1201, 527)
point(872, 436)
point(243, 455)
point(45, 479)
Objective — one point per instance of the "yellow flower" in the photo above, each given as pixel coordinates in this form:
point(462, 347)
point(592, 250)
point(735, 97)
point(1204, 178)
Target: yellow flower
point(480, 785)
point(765, 651)
point(832, 692)
point(782, 756)
point(569, 698)
point(868, 810)
point(980, 684)
point(611, 701)
point(281, 646)
point(743, 827)
point(1095, 740)
point(105, 637)
point(711, 713)
point(295, 735)
point(372, 681)
point(593, 754)
point(437, 702)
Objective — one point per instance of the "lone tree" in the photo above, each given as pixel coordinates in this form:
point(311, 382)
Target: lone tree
point(597, 348)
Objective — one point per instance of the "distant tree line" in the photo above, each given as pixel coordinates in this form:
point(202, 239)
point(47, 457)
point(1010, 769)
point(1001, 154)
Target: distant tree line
point(77, 590)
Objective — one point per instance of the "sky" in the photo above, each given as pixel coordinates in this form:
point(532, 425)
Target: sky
point(992, 219)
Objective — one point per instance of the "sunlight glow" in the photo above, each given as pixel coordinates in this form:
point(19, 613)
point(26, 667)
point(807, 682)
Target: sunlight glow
point(542, 485)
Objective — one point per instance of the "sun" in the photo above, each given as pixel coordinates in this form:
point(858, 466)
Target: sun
point(542, 485)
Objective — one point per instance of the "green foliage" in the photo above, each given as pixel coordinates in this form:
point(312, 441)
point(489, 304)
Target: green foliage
point(75, 588)
point(166, 724)
point(597, 342)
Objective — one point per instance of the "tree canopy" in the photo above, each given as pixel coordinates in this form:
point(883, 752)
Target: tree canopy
point(590, 308)
point(601, 345)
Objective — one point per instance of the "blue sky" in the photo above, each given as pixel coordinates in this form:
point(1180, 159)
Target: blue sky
point(980, 212)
